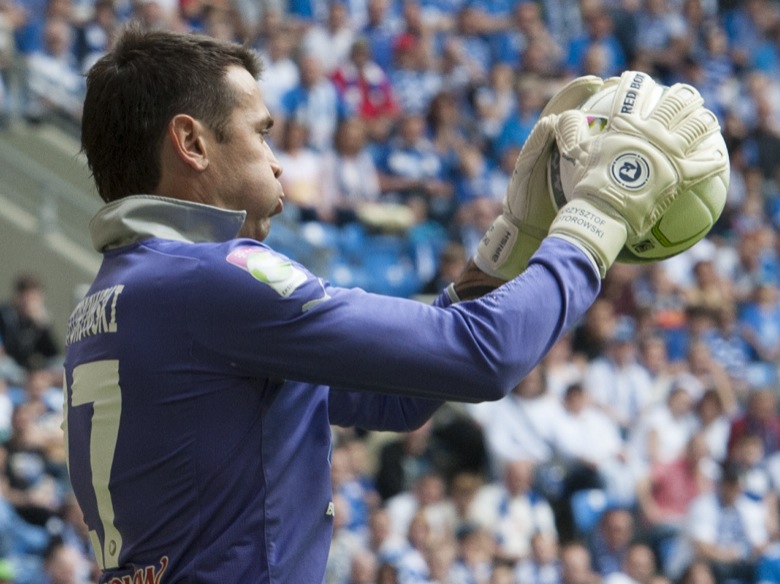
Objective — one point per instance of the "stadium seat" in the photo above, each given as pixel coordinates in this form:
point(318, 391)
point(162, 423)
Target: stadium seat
point(587, 507)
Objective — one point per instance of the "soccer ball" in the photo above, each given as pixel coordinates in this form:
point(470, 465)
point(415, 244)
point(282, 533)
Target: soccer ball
point(687, 220)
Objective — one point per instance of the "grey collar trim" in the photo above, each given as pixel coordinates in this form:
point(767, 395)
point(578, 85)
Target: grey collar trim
point(140, 217)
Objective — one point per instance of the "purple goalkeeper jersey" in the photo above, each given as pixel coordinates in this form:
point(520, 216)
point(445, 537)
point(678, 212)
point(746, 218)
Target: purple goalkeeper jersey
point(203, 373)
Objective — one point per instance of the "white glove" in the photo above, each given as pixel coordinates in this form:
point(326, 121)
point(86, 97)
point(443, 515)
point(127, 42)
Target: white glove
point(514, 236)
point(621, 181)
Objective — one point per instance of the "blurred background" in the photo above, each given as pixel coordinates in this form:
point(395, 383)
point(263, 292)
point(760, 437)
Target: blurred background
point(645, 447)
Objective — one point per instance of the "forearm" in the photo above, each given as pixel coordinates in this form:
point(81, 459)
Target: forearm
point(474, 283)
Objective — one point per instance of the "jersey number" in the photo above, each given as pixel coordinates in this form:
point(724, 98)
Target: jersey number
point(97, 383)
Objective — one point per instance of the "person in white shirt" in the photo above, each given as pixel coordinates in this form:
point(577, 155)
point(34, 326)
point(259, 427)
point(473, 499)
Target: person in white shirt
point(589, 444)
point(663, 431)
point(513, 512)
point(518, 427)
point(617, 382)
point(726, 529)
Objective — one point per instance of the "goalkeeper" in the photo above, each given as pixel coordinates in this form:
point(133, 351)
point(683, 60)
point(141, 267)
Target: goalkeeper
point(203, 369)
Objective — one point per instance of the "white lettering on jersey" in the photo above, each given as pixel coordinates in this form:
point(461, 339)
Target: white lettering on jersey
point(94, 315)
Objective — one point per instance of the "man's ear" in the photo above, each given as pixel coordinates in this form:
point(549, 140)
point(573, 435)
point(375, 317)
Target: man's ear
point(186, 136)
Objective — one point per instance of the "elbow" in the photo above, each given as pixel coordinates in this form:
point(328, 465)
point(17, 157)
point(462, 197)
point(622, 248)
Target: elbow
point(497, 387)
point(497, 391)
point(505, 379)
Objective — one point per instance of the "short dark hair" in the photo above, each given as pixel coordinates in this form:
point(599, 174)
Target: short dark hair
point(133, 92)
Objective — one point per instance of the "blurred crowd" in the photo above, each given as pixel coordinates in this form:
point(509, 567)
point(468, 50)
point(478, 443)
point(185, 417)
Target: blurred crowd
point(644, 449)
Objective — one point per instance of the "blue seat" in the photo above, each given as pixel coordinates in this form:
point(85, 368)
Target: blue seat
point(586, 507)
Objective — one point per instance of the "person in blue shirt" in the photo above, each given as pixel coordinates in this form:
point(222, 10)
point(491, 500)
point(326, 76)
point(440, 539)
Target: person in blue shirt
point(203, 369)
point(599, 33)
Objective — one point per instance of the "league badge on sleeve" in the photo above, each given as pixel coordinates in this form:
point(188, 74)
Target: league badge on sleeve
point(268, 268)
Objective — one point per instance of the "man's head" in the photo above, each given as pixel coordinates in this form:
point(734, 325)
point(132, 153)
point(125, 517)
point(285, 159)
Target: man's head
point(181, 116)
point(617, 527)
point(135, 90)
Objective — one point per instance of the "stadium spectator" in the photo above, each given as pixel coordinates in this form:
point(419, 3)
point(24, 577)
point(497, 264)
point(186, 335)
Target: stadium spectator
point(638, 567)
point(380, 30)
point(449, 131)
point(55, 86)
point(746, 24)
point(495, 100)
point(599, 33)
point(654, 357)
point(528, 26)
point(363, 568)
point(756, 478)
point(412, 563)
point(403, 460)
point(385, 543)
point(64, 564)
point(512, 511)
point(345, 543)
point(411, 167)
point(726, 529)
point(594, 333)
point(304, 172)
point(425, 499)
point(660, 36)
point(760, 417)
point(350, 176)
point(610, 541)
point(665, 492)
point(364, 88)
point(94, 36)
point(729, 349)
point(26, 330)
point(412, 75)
point(661, 299)
point(616, 381)
point(357, 498)
point(280, 71)
point(32, 485)
point(156, 15)
point(451, 263)
point(660, 432)
point(713, 413)
point(518, 427)
point(473, 561)
point(576, 564)
point(314, 102)
point(330, 40)
point(589, 446)
point(542, 565)
point(760, 325)
point(530, 97)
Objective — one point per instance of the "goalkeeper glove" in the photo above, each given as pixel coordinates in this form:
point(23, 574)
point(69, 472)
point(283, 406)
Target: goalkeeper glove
point(622, 180)
point(516, 234)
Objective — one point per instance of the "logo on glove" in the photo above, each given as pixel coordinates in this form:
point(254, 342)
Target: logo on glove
point(631, 171)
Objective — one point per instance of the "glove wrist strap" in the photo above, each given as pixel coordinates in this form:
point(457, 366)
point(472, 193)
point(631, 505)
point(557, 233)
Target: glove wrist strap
point(592, 229)
point(495, 249)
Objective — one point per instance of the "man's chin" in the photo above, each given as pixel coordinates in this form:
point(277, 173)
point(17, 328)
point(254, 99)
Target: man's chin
point(257, 230)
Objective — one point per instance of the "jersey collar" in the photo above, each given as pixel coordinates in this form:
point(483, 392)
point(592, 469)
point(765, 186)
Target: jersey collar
point(140, 217)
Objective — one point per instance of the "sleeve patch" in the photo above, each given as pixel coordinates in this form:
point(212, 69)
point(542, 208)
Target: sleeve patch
point(268, 268)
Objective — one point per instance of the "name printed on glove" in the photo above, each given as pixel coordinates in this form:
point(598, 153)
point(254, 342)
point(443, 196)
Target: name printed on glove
point(630, 98)
point(584, 219)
